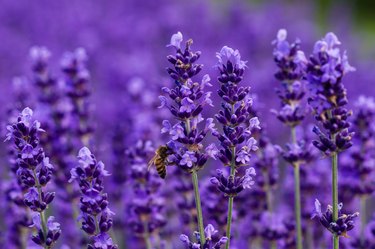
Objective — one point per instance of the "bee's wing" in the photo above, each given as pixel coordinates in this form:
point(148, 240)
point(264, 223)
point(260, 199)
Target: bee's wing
point(152, 161)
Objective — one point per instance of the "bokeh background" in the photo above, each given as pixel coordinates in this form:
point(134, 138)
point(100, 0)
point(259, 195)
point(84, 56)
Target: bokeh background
point(126, 44)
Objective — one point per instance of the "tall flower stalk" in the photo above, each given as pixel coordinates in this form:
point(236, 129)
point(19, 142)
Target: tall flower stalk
point(96, 217)
point(18, 219)
point(236, 140)
point(358, 168)
point(77, 81)
point(34, 171)
point(146, 210)
point(60, 139)
point(292, 62)
point(325, 72)
point(186, 103)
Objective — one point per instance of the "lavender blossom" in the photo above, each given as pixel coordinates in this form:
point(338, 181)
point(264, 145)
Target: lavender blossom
point(54, 107)
point(77, 81)
point(236, 140)
point(96, 217)
point(146, 211)
point(325, 71)
point(34, 171)
point(17, 219)
point(266, 164)
point(232, 186)
point(187, 101)
point(359, 168)
point(40, 61)
point(209, 244)
point(273, 228)
point(339, 227)
point(184, 198)
point(292, 63)
point(215, 212)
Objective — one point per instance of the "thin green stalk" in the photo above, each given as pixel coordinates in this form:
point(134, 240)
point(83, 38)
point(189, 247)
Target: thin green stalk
point(256, 243)
point(335, 194)
point(310, 238)
point(97, 229)
point(335, 201)
point(146, 236)
point(194, 176)
point(335, 241)
point(297, 194)
point(23, 238)
point(198, 205)
point(297, 204)
point(268, 192)
point(273, 244)
point(229, 222)
point(363, 203)
point(231, 198)
point(42, 215)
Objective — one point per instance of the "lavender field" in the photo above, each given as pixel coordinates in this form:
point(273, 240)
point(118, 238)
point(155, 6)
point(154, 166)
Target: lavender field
point(195, 124)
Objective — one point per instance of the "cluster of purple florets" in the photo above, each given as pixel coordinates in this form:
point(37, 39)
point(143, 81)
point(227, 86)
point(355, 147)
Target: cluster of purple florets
point(95, 217)
point(218, 136)
point(34, 171)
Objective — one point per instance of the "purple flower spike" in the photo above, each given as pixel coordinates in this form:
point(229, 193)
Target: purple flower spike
point(325, 71)
point(341, 226)
point(34, 172)
point(96, 217)
point(209, 231)
point(236, 139)
point(291, 63)
point(187, 99)
point(232, 186)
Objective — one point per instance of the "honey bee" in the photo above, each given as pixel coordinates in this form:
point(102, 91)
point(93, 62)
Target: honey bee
point(160, 160)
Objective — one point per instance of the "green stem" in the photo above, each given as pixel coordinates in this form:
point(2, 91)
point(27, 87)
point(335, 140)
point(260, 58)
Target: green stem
point(268, 192)
point(297, 204)
point(310, 238)
point(256, 243)
point(335, 201)
point(229, 223)
point(199, 207)
point(363, 216)
point(335, 194)
point(146, 236)
point(273, 244)
point(231, 198)
point(42, 215)
point(23, 238)
point(297, 194)
point(335, 241)
point(97, 229)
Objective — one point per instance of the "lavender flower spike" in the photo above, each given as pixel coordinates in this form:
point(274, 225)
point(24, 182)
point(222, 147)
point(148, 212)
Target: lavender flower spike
point(34, 171)
point(187, 100)
point(95, 215)
point(292, 63)
point(339, 227)
point(236, 140)
point(232, 186)
point(325, 71)
point(209, 233)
